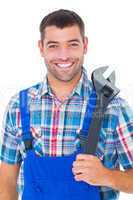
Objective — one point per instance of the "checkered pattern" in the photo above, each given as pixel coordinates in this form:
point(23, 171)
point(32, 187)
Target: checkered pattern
point(55, 127)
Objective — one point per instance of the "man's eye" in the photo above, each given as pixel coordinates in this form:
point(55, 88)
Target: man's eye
point(74, 44)
point(52, 46)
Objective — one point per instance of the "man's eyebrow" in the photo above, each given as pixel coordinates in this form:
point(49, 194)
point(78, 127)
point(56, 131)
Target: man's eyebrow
point(52, 42)
point(74, 40)
point(56, 42)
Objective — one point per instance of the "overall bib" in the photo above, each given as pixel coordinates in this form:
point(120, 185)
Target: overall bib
point(51, 178)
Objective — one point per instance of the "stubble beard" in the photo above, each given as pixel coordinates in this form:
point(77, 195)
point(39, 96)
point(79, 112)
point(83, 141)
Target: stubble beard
point(64, 77)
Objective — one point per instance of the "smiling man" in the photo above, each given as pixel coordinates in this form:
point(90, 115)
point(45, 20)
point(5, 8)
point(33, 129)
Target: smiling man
point(63, 51)
point(40, 150)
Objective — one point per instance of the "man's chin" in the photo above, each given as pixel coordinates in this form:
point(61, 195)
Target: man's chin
point(65, 80)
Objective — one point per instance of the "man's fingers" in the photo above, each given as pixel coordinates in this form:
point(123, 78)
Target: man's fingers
point(83, 177)
point(82, 163)
point(79, 170)
point(84, 157)
point(79, 163)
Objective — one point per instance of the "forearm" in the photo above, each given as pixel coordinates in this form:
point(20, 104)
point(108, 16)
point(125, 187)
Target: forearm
point(8, 181)
point(8, 193)
point(120, 180)
point(10, 196)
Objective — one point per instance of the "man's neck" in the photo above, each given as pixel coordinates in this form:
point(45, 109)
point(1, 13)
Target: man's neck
point(63, 89)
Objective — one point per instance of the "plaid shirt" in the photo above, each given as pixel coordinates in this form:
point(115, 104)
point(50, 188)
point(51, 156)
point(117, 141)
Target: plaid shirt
point(55, 127)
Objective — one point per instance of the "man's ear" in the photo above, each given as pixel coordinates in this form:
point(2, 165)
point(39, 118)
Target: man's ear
point(85, 41)
point(41, 48)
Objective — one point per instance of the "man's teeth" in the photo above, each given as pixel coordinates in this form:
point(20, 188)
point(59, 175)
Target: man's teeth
point(64, 65)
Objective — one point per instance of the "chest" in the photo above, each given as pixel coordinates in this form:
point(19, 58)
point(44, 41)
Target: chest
point(55, 129)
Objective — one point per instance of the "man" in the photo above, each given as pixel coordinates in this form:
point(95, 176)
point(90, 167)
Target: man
point(57, 108)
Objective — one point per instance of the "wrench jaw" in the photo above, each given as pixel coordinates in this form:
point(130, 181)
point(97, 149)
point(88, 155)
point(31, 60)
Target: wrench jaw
point(112, 78)
point(105, 87)
point(98, 79)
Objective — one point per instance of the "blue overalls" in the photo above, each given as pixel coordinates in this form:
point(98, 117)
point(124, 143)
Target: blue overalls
point(51, 178)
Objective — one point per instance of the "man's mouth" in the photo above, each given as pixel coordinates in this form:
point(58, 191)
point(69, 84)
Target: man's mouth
point(64, 65)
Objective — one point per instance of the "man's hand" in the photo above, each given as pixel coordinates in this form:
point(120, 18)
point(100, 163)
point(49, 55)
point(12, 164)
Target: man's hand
point(90, 169)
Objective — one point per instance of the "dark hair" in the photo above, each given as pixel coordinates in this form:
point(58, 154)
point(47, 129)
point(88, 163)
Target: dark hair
point(61, 19)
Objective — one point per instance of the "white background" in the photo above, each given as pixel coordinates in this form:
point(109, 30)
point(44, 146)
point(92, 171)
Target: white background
point(109, 28)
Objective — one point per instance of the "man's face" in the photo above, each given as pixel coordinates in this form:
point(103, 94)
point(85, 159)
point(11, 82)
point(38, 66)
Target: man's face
point(63, 52)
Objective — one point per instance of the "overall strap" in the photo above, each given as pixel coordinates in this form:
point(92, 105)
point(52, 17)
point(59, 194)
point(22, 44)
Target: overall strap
point(25, 119)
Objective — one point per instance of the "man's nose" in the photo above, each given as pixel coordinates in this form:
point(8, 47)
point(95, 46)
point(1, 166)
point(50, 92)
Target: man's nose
point(63, 53)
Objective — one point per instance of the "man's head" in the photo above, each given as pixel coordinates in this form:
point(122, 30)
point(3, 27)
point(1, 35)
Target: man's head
point(61, 19)
point(63, 45)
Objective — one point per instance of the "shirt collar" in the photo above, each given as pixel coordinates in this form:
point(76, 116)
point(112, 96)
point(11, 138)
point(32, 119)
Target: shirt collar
point(83, 88)
point(84, 85)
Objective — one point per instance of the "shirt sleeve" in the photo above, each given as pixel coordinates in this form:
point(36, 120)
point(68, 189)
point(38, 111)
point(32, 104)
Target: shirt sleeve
point(124, 135)
point(10, 140)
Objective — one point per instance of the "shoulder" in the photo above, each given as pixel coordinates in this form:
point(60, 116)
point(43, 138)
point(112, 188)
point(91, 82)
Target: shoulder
point(12, 111)
point(120, 113)
point(119, 105)
point(32, 93)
